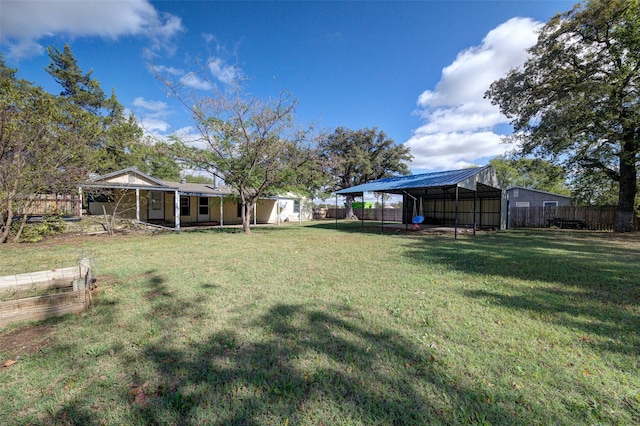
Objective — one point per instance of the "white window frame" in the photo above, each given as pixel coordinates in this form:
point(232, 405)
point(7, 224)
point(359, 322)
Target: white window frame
point(523, 204)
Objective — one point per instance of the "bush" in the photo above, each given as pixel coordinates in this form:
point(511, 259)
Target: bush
point(36, 231)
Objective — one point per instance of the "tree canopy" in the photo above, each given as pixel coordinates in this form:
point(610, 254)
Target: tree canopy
point(354, 157)
point(255, 145)
point(43, 145)
point(575, 100)
point(534, 173)
point(118, 137)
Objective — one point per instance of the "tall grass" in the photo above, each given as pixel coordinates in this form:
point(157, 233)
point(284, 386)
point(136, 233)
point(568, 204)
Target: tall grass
point(313, 325)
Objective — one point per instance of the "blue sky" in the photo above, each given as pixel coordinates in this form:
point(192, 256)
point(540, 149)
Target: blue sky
point(416, 70)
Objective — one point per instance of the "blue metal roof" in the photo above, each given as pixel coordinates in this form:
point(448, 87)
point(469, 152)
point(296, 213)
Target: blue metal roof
point(424, 180)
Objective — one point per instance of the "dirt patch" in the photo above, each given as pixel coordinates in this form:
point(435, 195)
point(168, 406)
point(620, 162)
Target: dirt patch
point(26, 340)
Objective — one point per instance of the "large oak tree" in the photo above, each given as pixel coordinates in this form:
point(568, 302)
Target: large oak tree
point(354, 157)
point(576, 101)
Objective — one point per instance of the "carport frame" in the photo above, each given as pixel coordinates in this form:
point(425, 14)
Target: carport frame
point(462, 184)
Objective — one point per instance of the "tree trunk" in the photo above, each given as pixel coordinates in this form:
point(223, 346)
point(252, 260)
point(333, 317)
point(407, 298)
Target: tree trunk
point(246, 216)
point(23, 222)
point(349, 205)
point(623, 221)
point(7, 224)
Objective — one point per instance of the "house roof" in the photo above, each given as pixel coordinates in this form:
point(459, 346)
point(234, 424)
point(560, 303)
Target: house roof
point(465, 178)
point(201, 189)
point(127, 171)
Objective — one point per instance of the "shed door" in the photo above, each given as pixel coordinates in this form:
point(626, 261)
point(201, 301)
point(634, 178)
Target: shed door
point(156, 205)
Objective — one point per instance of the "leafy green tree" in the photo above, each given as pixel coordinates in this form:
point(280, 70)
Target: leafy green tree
point(576, 99)
point(254, 145)
point(157, 160)
point(354, 157)
point(534, 173)
point(117, 143)
point(43, 145)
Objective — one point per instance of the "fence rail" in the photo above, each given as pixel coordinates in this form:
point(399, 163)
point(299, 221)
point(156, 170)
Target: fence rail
point(389, 214)
point(588, 217)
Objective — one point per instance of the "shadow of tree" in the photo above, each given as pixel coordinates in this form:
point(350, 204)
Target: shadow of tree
point(580, 284)
point(308, 367)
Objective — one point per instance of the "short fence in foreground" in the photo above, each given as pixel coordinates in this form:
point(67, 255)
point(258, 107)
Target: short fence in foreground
point(45, 294)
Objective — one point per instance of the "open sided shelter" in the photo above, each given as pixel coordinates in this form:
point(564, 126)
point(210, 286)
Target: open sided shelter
point(471, 198)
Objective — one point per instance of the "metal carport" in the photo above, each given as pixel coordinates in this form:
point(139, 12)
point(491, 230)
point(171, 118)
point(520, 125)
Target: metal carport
point(471, 197)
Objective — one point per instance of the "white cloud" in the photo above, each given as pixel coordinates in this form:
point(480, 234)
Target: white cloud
point(152, 115)
point(23, 23)
point(227, 74)
point(193, 81)
point(458, 121)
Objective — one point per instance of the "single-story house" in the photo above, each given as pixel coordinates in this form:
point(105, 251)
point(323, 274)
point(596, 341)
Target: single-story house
point(136, 195)
point(532, 207)
point(472, 197)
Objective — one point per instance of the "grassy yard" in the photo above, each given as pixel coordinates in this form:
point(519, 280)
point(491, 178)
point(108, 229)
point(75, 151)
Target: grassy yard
point(313, 325)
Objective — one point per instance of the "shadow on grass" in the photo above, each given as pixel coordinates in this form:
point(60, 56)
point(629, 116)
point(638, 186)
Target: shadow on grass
point(581, 281)
point(310, 367)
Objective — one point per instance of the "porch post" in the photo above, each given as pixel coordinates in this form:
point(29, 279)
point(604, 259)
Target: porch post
point(137, 204)
point(278, 211)
point(221, 213)
point(300, 211)
point(255, 212)
point(176, 203)
point(80, 206)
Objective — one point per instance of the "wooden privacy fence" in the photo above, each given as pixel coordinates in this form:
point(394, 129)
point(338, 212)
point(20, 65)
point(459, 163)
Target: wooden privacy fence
point(45, 294)
point(390, 215)
point(594, 218)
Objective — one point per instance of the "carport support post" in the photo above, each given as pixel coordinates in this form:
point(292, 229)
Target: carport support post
point(382, 215)
point(475, 194)
point(455, 220)
point(362, 212)
point(255, 209)
point(336, 211)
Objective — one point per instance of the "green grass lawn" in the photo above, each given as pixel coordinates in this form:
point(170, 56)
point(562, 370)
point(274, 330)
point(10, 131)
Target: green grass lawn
point(313, 325)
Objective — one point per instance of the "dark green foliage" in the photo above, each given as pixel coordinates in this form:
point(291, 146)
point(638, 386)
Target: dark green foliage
point(576, 99)
point(534, 173)
point(117, 140)
point(43, 145)
point(354, 157)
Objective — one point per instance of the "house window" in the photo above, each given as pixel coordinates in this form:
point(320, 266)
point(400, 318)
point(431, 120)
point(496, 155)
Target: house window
point(516, 193)
point(185, 206)
point(296, 206)
point(549, 204)
point(522, 204)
